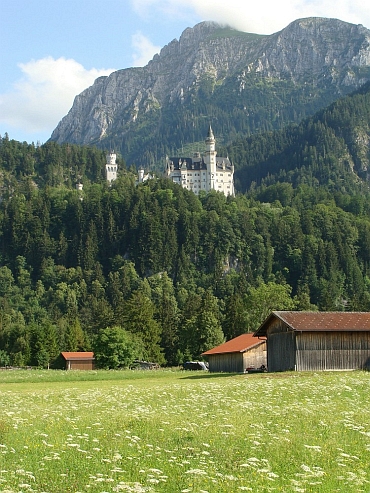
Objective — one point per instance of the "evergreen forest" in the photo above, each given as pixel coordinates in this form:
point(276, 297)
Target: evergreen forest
point(152, 271)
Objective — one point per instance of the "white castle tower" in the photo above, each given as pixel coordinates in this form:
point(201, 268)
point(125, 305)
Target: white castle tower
point(210, 158)
point(141, 174)
point(111, 167)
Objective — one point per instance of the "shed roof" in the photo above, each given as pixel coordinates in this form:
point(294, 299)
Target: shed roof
point(239, 344)
point(78, 355)
point(320, 321)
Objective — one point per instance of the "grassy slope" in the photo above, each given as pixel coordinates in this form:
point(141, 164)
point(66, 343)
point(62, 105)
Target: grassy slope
point(170, 431)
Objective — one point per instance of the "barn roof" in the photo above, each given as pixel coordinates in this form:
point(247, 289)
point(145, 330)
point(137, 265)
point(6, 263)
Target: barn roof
point(239, 344)
point(320, 321)
point(78, 355)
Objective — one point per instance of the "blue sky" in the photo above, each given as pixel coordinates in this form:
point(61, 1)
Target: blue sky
point(51, 50)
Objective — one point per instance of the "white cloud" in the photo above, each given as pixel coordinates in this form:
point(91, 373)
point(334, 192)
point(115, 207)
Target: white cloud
point(45, 93)
point(144, 49)
point(259, 17)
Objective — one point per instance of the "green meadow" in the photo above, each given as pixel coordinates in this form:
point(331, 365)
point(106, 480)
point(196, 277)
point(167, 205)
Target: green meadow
point(176, 432)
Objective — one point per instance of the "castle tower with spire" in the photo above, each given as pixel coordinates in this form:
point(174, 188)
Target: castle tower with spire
point(210, 158)
point(202, 173)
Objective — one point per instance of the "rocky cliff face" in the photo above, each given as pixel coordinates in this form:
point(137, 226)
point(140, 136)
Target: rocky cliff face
point(314, 52)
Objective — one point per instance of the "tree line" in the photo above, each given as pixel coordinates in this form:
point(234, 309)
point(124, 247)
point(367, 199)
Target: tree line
point(152, 271)
point(167, 273)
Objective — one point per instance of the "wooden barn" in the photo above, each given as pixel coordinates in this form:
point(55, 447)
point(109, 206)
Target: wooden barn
point(236, 355)
point(316, 340)
point(79, 360)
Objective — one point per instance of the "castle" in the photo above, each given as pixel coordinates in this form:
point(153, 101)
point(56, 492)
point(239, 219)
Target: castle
point(201, 172)
point(207, 172)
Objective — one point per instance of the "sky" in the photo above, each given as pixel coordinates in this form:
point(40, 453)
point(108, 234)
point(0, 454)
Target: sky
point(51, 50)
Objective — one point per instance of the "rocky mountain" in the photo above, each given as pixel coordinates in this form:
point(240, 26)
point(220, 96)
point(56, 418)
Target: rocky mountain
point(240, 82)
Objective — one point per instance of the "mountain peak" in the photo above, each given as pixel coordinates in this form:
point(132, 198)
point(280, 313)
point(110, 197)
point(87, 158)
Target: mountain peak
point(245, 82)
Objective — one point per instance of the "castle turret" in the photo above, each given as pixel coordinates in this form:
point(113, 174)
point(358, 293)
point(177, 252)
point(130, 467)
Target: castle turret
point(140, 174)
point(111, 167)
point(210, 158)
point(210, 140)
point(184, 173)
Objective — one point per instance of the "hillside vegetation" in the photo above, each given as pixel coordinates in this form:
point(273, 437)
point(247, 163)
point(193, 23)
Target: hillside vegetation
point(165, 274)
point(330, 149)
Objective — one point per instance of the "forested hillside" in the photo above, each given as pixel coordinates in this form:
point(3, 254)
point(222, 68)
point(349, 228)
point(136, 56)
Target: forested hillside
point(330, 149)
point(164, 275)
point(173, 271)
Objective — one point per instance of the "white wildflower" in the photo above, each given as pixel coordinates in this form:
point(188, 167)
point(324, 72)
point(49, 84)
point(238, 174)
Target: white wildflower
point(317, 448)
point(199, 472)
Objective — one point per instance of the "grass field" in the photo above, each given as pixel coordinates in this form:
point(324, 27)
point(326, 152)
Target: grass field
point(173, 432)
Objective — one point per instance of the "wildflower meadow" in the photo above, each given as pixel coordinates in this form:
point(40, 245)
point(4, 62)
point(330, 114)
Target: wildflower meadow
point(184, 432)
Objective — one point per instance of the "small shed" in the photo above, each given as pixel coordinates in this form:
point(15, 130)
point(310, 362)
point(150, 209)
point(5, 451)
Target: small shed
point(79, 360)
point(317, 340)
point(238, 354)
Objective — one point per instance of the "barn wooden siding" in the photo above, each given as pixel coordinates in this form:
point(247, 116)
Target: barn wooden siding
point(332, 350)
point(281, 352)
point(316, 350)
point(226, 362)
point(237, 362)
point(82, 364)
point(256, 356)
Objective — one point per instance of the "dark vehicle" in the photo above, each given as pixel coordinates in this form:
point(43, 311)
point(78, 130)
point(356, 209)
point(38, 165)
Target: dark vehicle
point(261, 369)
point(195, 365)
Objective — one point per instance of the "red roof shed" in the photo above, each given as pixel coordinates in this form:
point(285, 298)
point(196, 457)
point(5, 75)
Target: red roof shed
point(238, 354)
point(79, 360)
